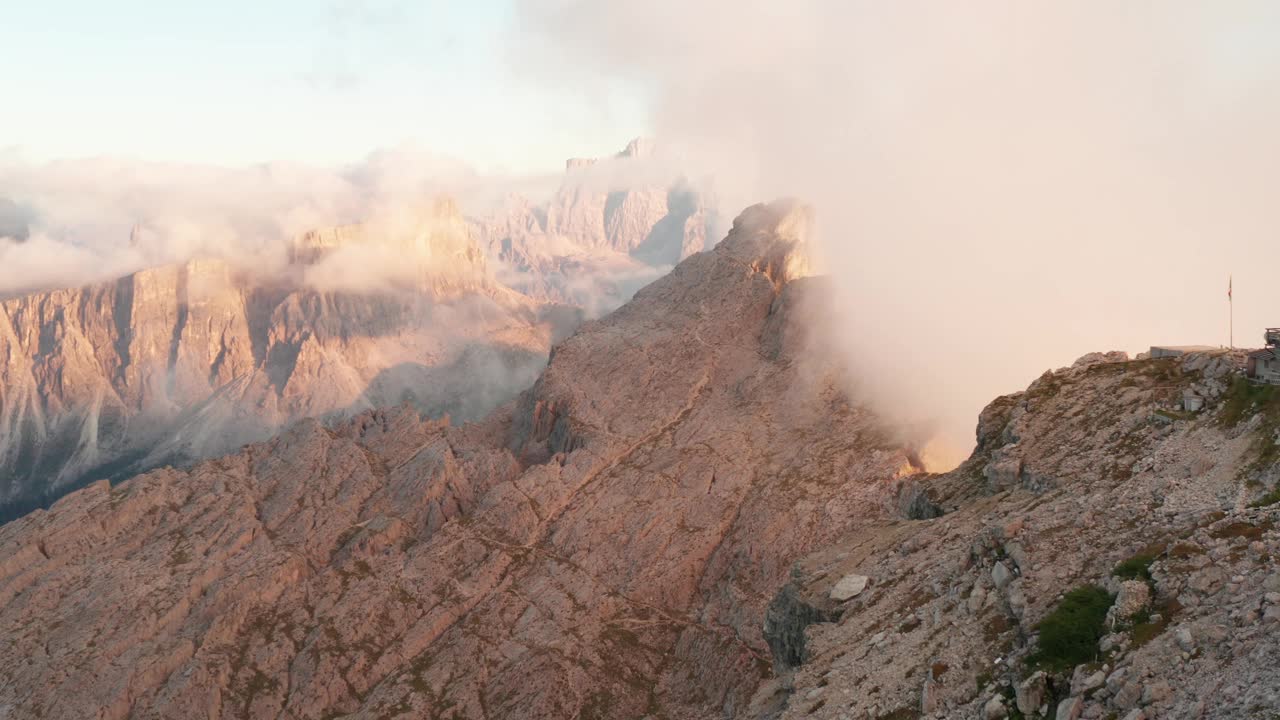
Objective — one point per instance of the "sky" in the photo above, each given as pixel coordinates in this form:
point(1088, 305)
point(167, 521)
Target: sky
point(311, 81)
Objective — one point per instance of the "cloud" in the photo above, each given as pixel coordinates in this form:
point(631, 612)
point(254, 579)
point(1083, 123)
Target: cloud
point(72, 222)
point(79, 221)
point(1000, 186)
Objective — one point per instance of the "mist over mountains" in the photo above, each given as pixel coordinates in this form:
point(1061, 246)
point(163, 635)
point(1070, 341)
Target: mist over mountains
point(406, 439)
point(1013, 183)
point(239, 330)
point(685, 515)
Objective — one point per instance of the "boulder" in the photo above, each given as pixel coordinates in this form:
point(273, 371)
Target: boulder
point(1129, 695)
point(1097, 358)
point(1070, 708)
point(849, 586)
point(1001, 575)
point(995, 708)
point(929, 697)
point(1272, 583)
point(1184, 638)
point(1030, 693)
point(1134, 597)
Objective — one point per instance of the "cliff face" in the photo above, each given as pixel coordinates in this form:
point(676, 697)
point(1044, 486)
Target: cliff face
point(1092, 482)
point(605, 547)
point(607, 230)
point(176, 363)
point(681, 518)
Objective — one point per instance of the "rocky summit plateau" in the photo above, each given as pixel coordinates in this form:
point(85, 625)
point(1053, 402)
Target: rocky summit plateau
point(684, 516)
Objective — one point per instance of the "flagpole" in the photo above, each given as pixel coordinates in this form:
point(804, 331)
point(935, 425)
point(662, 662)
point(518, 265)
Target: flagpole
point(1231, 323)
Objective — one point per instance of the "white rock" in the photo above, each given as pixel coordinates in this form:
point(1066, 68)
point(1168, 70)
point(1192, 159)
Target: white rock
point(977, 599)
point(1184, 638)
point(1094, 681)
point(1001, 575)
point(848, 587)
point(1030, 693)
point(995, 709)
point(1134, 596)
point(1070, 708)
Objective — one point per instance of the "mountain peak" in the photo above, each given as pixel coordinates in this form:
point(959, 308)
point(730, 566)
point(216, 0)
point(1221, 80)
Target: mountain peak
point(640, 147)
point(773, 238)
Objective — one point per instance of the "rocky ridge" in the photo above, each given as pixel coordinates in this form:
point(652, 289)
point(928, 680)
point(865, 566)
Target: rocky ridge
point(682, 519)
point(605, 547)
point(1091, 483)
point(173, 364)
point(182, 362)
point(610, 227)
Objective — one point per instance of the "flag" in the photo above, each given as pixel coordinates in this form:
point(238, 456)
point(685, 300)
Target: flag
point(1228, 287)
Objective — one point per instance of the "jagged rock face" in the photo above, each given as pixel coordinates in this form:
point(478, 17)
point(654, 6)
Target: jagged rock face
point(601, 235)
point(1090, 467)
point(605, 547)
point(191, 361)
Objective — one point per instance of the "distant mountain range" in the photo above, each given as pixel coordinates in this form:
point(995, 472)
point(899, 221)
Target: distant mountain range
point(453, 315)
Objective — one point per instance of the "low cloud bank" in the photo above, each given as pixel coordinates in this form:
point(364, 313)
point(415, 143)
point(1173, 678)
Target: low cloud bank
point(1000, 186)
point(72, 222)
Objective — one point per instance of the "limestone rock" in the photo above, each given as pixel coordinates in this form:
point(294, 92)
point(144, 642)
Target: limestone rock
point(612, 225)
point(1134, 597)
point(174, 364)
point(1185, 639)
point(1128, 696)
point(607, 545)
point(1070, 708)
point(995, 708)
point(1031, 693)
point(1001, 575)
point(942, 600)
point(1095, 358)
point(848, 587)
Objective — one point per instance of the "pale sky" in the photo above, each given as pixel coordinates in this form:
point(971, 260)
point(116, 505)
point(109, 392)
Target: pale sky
point(313, 81)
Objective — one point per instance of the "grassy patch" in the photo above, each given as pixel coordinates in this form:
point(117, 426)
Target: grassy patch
point(1144, 629)
point(1270, 498)
point(1248, 531)
point(1185, 551)
point(1069, 635)
point(1245, 399)
point(1137, 567)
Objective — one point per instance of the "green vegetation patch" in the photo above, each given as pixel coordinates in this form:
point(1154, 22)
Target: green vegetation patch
point(1138, 568)
point(1243, 401)
point(1146, 625)
point(1270, 498)
point(1069, 635)
point(1240, 529)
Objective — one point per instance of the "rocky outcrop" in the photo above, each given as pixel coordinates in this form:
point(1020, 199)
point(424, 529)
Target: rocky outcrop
point(177, 363)
point(683, 517)
point(610, 227)
point(1094, 477)
point(607, 546)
